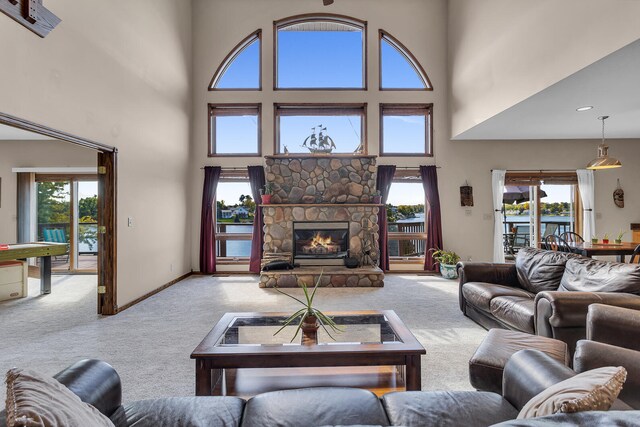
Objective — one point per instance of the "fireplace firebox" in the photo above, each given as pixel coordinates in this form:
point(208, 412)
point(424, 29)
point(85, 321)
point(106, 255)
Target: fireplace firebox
point(320, 243)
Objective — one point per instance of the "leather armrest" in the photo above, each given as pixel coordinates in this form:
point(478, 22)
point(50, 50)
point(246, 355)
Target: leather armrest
point(529, 372)
point(563, 309)
point(614, 325)
point(95, 382)
point(499, 274)
point(591, 355)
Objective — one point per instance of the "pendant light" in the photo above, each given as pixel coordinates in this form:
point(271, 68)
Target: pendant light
point(603, 161)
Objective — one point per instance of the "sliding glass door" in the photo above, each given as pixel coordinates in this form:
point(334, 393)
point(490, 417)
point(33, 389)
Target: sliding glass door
point(67, 211)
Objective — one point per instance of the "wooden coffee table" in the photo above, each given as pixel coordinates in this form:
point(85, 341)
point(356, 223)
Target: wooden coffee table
point(241, 356)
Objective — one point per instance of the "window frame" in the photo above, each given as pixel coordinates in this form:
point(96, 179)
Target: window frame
point(231, 175)
point(428, 134)
point(360, 108)
point(240, 108)
point(321, 17)
point(404, 51)
point(231, 56)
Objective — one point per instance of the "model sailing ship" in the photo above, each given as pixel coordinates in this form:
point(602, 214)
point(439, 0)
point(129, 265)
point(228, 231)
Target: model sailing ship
point(321, 144)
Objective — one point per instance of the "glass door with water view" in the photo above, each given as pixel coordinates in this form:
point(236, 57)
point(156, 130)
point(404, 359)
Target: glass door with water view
point(405, 218)
point(531, 213)
point(235, 210)
point(67, 212)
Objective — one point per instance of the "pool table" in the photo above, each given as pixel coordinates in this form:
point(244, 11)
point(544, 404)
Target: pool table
point(42, 250)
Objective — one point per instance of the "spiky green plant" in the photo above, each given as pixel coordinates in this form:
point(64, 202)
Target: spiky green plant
point(309, 310)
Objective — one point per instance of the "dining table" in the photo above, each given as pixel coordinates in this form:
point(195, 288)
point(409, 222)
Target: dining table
point(589, 249)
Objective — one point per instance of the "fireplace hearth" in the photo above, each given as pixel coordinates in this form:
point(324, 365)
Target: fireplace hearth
point(320, 243)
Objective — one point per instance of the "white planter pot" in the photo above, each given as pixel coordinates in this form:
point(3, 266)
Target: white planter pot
point(448, 271)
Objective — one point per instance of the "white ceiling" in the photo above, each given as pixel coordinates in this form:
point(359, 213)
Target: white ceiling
point(611, 85)
point(10, 133)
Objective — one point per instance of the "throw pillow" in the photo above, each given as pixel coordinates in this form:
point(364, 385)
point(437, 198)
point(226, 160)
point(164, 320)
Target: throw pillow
point(594, 390)
point(539, 270)
point(34, 400)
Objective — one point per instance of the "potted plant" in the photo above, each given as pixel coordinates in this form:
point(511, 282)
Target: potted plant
point(308, 317)
point(377, 197)
point(620, 235)
point(447, 261)
point(594, 240)
point(605, 239)
point(266, 193)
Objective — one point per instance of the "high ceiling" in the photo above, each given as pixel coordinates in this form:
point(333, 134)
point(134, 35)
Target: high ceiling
point(8, 133)
point(611, 85)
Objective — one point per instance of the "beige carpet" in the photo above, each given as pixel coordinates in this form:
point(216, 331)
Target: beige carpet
point(150, 343)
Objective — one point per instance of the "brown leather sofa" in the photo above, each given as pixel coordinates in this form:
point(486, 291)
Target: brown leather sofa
point(545, 292)
point(526, 374)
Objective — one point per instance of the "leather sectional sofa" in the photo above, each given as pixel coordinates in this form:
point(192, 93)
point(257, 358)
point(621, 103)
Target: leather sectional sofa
point(98, 384)
point(545, 292)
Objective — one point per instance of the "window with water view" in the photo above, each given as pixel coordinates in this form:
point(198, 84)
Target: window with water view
point(235, 210)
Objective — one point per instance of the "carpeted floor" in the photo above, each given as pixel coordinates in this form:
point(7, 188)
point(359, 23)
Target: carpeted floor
point(150, 343)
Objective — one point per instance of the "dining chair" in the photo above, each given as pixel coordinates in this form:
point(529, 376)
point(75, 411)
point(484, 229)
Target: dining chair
point(556, 243)
point(635, 257)
point(572, 237)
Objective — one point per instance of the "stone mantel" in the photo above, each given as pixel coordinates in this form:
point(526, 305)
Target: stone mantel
point(321, 179)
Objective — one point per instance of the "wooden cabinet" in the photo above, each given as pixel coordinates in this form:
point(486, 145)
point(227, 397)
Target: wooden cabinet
point(13, 279)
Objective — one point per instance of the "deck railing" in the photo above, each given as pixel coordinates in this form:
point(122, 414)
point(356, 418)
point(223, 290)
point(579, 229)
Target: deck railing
point(406, 239)
point(518, 233)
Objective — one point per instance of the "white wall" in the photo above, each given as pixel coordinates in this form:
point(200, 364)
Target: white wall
point(25, 153)
point(422, 27)
point(503, 51)
point(118, 72)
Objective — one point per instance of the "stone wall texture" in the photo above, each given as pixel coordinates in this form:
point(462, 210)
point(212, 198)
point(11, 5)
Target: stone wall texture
point(359, 277)
point(363, 225)
point(322, 179)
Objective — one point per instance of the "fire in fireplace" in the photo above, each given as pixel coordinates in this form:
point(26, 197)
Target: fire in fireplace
point(320, 243)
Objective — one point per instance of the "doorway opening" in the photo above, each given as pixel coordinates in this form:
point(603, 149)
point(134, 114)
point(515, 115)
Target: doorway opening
point(537, 205)
point(85, 235)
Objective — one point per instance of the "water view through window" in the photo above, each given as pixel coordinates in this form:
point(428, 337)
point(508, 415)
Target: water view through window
point(235, 210)
point(405, 214)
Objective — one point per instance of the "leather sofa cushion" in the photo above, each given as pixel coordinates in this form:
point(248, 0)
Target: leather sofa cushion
point(198, 411)
point(480, 294)
point(539, 270)
point(447, 408)
point(487, 364)
point(515, 311)
point(590, 275)
point(316, 406)
point(590, 418)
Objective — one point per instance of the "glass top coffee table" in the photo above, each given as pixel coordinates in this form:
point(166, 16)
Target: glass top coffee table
point(242, 356)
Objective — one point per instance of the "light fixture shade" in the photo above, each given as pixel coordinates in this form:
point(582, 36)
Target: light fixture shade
point(603, 161)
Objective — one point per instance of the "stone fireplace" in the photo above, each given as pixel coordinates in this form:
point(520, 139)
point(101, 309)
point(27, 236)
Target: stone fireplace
point(321, 212)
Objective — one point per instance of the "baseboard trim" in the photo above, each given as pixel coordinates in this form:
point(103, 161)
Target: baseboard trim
point(152, 293)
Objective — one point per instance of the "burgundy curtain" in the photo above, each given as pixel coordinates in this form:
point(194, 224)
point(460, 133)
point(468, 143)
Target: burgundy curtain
point(207, 230)
point(383, 184)
point(433, 215)
point(257, 181)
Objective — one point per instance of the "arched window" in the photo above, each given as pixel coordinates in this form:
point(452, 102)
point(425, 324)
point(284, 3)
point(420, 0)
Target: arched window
point(241, 69)
point(320, 52)
point(399, 69)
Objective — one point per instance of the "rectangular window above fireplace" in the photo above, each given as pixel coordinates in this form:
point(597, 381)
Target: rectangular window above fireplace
point(320, 243)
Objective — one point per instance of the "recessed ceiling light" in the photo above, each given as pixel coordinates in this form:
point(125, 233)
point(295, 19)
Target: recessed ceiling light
point(585, 108)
